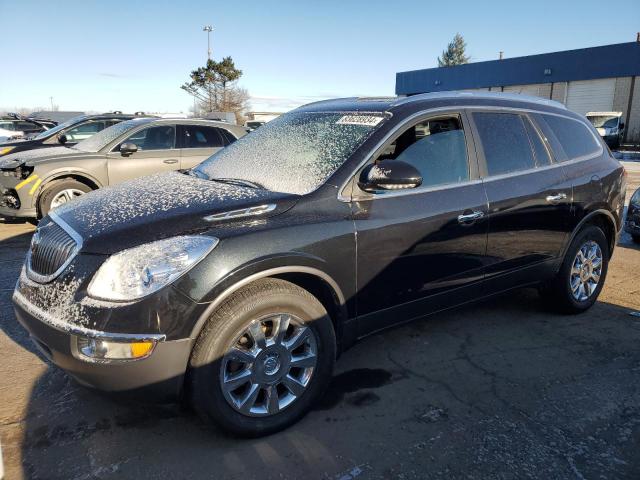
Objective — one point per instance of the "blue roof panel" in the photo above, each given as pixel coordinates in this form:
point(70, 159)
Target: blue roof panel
point(608, 61)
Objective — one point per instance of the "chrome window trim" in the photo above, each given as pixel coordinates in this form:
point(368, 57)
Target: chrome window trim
point(423, 113)
point(36, 277)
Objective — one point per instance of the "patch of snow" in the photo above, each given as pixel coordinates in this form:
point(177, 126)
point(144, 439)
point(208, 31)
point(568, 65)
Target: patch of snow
point(295, 153)
point(144, 196)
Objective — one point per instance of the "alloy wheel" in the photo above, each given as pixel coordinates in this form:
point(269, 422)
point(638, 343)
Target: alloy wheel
point(65, 196)
point(269, 366)
point(586, 271)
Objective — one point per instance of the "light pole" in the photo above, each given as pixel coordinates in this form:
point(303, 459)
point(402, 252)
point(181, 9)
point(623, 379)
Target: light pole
point(208, 29)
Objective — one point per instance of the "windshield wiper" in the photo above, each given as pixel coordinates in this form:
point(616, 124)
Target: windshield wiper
point(238, 181)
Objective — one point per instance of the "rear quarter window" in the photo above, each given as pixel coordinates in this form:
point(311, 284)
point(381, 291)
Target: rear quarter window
point(505, 142)
point(573, 136)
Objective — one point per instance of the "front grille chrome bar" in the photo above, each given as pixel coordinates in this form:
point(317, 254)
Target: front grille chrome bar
point(50, 253)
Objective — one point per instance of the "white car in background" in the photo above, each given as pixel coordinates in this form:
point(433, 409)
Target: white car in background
point(609, 126)
point(6, 135)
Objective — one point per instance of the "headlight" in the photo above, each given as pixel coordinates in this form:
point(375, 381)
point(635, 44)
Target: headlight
point(635, 199)
point(137, 272)
point(5, 150)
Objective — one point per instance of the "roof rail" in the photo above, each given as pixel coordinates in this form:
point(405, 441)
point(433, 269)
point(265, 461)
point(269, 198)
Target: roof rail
point(485, 95)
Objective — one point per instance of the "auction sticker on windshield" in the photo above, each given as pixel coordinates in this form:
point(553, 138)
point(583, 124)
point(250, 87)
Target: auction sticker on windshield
point(368, 120)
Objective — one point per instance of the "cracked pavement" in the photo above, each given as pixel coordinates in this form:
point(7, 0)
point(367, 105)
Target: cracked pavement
point(500, 389)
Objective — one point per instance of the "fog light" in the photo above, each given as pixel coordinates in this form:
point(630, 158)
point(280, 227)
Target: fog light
point(100, 349)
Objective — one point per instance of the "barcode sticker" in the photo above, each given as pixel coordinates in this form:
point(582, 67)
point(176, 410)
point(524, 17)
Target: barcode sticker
point(367, 120)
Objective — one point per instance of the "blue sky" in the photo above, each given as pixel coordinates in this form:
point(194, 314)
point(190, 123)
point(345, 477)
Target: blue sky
point(134, 55)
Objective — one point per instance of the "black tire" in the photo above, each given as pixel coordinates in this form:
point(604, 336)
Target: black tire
point(635, 238)
point(264, 297)
point(558, 290)
point(54, 188)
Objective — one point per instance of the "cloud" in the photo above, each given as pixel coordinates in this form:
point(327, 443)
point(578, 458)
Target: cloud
point(112, 75)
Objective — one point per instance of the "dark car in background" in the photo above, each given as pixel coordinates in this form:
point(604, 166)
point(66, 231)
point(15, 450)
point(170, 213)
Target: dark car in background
point(35, 181)
point(236, 283)
point(68, 133)
point(632, 220)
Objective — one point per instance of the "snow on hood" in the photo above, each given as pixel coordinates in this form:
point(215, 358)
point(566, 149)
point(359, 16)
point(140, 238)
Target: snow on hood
point(153, 207)
point(35, 156)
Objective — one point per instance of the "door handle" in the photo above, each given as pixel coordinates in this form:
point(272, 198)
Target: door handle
point(170, 161)
point(470, 217)
point(556, 198)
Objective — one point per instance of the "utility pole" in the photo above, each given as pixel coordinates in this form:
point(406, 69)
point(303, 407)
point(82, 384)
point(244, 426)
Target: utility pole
point(208, 29)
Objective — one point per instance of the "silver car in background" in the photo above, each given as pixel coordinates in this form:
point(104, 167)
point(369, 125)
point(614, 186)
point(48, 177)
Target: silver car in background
point(35, 181)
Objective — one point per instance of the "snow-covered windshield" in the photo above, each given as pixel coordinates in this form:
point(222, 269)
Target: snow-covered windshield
point(61, 126)
point(604, 121)
point(97, 142)
point(295, 153)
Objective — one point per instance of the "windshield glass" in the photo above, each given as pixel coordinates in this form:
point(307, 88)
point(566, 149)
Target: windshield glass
point(57, 128)
point(294, 153)
point(101, 139)
point(604, 121)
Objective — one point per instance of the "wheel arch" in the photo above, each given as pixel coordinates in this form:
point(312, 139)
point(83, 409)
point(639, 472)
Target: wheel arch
point(81, 177)
point(315, 281)
point(604, 220)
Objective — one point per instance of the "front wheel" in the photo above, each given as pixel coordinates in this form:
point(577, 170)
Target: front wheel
point(58, 193)
point(581, 277)
point(262, 359)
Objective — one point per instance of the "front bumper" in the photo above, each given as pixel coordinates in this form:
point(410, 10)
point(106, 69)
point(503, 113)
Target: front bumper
point(13, 205)
point(632, 227)
point(158, 377)
point(632, 221)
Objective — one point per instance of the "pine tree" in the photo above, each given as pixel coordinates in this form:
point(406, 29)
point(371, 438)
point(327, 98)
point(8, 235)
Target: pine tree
point(455, 53)
point(215, 87)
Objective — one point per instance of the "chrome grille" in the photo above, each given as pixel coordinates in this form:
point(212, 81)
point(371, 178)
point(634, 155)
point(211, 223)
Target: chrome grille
point(53, 246)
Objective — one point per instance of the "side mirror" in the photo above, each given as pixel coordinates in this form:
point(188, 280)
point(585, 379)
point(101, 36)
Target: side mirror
point(62, 139)
point(127, 149)
point(621, 126)
point(389, 175)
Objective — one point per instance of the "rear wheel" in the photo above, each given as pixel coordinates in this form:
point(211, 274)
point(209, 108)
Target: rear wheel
point(58, 193)
point(581, 277)
point(635, 238)
point(262, 359)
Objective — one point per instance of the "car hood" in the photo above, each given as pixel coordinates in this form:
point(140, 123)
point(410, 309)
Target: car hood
point(20, 142)
point(159, 206)
point(39, 155)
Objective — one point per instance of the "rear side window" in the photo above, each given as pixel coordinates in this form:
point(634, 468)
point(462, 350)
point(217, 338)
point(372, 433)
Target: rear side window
point(574, 137)
point(505, 142)
point(199, 136)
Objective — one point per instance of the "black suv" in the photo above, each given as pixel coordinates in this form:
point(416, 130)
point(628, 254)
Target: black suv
point(238, 282)
point(68, 133)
